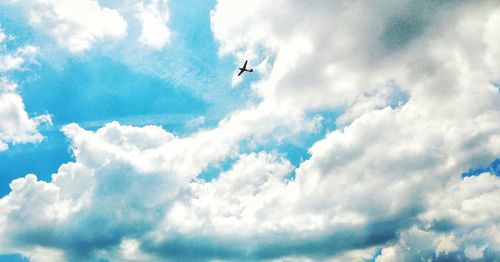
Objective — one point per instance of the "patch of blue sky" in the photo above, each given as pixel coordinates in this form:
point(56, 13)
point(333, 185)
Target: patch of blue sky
point(296, 149)
point(99, 88)
point(41, 159)
point(377, 253)
point(9, 23)
point(496, 84)
point(493, 168)
point(213, 171)
point(19, 35)
point(13, 258)
point(399, 96)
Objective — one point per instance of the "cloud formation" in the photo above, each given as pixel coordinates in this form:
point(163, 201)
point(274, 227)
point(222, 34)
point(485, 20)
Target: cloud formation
point(416, 80)
point(69, 24)
point(154, 17)
point(15, 124)
point(75, 24)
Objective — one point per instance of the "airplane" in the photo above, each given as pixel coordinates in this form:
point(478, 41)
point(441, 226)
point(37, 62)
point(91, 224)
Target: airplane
point(244, 68)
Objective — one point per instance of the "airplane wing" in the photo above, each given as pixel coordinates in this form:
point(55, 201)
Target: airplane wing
point(241, 72)
point(245, 65)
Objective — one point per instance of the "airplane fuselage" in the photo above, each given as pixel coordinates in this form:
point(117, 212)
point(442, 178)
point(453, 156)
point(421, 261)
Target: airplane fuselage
point(244, 68)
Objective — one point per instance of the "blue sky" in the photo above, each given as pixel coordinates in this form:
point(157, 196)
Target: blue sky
point(361, 132)
point(97, 88)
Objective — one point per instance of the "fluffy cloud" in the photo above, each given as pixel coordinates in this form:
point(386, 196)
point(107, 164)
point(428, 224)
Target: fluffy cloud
point(349, 51)
point(154, 18)
point(137, 172)
point(75, 24)
point(15, 124)
point(463, 225)
point(68, 21)
point(90, 188)
point(138, 182)
point(420, 109)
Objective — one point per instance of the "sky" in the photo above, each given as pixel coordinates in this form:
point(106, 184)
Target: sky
point(368, 130)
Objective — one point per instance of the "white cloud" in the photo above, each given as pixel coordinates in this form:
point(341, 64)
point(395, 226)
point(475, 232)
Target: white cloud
point(474, 252)
point(154, 17)
point(12, 61)
point(9, 62)
point(3, 36)
point(445, 244)
point(469, 202)
point(151, 165)
point(444, 229)
point(231, 204)
point(75, 24)
point(195, 122)
point(399, 154)
point(15, 124)
point(40, 254)
point(387, 255)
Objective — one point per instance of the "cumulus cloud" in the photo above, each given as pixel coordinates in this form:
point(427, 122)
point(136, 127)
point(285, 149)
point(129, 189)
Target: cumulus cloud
point(416, 81)
point(104, 170)
point(461, 226)
point(75, 24)
point(154, 17)
point(15, 124)
point(151, 165)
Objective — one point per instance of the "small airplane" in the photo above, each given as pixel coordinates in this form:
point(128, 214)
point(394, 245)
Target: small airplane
point(244, 68)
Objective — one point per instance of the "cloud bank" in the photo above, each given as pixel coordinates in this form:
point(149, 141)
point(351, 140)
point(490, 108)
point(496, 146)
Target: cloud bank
point(417, 82)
